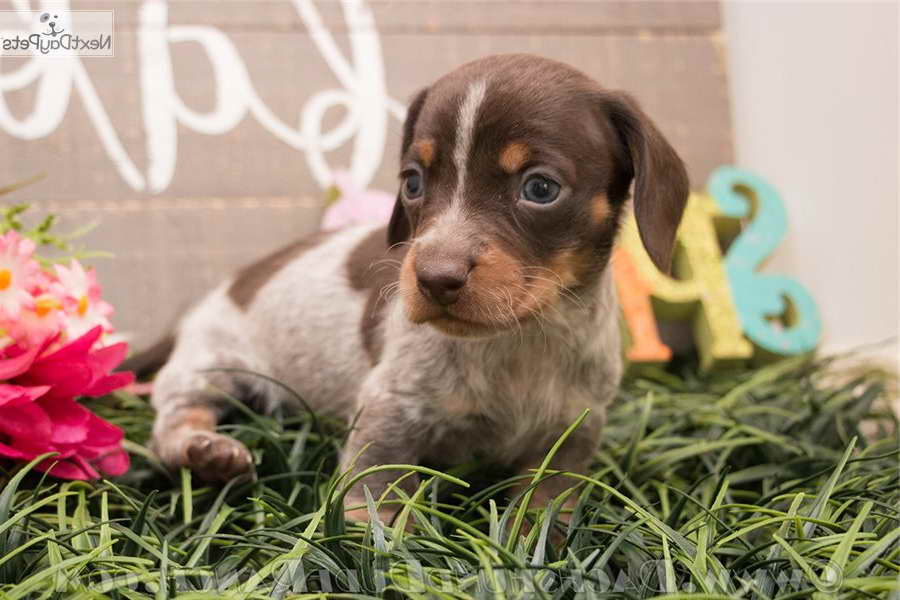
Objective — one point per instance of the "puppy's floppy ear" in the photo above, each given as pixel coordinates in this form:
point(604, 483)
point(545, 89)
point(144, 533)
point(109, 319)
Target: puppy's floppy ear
point(661, 183)
point(400, 227)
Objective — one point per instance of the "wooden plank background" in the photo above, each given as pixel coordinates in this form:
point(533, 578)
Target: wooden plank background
point(239, 191)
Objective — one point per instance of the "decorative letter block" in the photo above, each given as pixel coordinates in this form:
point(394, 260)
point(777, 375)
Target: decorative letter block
point(634, 298)
point(777, 313)
point(700, 290)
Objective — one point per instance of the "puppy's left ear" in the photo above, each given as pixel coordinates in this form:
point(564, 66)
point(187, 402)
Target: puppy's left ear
point(661, 183)
point(400, 227)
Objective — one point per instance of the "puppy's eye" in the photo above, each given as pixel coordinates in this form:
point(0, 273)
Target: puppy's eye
point(540, 190)
point(413, 186)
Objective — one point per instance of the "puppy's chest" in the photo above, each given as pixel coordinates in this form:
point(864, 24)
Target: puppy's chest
point(504, 408)
point(523, 388)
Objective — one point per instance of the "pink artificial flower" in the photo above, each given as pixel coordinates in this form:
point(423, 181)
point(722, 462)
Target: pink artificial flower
point(14, 363)
point(356, 205)
point(35, 324)
point(38, 411)
point(84, 308)
point(19, 273)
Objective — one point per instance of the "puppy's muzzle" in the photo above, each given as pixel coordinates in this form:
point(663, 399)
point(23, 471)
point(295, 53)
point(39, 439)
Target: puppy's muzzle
point(442, 279)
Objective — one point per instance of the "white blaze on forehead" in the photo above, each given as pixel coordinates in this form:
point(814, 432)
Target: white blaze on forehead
point(465, 129)
point(447, 223)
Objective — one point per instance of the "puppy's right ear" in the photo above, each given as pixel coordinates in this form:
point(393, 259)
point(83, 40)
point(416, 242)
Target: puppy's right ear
point(400, 227)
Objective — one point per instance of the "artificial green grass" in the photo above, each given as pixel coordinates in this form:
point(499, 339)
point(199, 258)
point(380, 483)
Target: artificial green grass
point(751, 484)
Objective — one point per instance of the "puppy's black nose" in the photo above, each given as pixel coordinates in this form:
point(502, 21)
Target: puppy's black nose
point(442, 281)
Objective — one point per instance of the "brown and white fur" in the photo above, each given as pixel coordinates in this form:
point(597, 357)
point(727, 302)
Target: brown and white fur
point(479, 323)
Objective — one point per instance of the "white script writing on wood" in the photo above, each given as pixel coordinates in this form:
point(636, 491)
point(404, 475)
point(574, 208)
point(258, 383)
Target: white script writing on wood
point(362, 96)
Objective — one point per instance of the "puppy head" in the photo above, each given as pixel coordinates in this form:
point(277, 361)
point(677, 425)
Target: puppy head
point(514, 173)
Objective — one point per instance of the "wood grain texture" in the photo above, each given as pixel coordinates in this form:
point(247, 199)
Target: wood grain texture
point(238, 194)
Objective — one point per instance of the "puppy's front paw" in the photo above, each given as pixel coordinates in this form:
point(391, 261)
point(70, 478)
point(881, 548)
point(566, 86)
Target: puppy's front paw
point(217, 457)
point(211, 456)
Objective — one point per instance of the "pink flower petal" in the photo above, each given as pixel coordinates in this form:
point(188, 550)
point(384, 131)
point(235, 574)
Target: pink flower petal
point(113, 464)
point(356, 205)
point(67, 378)
point(110, 357)
point(15, 395)
point(68, 469)
point(36, 447)
point(108, 384)
point(27, 422)
point(86, 467)
point(69, 419)
point(77, 349)
point(15, 453)
point(12, 367)
point(102, 433)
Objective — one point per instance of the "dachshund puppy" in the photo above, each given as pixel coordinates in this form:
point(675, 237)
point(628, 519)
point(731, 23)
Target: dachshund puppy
point(481, 322)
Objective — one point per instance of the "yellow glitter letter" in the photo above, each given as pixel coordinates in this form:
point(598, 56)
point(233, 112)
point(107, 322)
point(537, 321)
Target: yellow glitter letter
point(700, 290)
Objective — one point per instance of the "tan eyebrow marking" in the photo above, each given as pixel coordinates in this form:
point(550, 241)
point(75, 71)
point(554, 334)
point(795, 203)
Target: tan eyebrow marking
point(425, 149)
point(513, 156)
point(600, 208)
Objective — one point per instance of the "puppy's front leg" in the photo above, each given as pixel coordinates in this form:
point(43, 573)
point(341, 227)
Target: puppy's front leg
point(575, 456)
point(184, 435)
point(386, 432)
